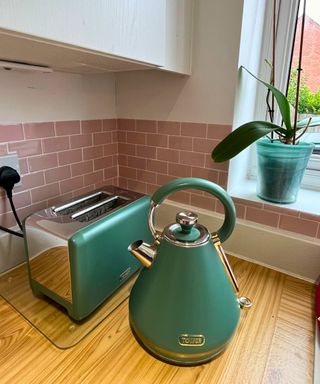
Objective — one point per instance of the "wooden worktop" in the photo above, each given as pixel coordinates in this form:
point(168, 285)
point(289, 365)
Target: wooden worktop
point(273, 344)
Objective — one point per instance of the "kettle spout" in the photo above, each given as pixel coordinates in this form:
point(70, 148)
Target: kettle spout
point(144, 252)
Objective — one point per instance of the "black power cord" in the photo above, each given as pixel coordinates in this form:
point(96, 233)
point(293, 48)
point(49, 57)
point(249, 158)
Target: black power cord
point(8, 178)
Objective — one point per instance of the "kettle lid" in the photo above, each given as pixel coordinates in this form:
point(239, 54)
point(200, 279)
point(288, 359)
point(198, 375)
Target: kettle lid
point(186, 232)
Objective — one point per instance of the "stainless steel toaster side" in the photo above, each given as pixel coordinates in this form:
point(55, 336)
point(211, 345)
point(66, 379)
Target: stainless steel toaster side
point(77, 251)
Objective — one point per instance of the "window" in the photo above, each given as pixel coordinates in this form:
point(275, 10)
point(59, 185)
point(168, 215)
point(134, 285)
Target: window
point(309, 99)
point(255, 47)
point(287, 44)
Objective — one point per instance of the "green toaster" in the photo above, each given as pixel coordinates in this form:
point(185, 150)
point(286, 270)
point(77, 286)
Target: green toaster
point(77, 252)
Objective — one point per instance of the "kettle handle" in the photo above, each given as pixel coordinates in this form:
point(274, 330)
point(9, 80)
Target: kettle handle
point(204, 185)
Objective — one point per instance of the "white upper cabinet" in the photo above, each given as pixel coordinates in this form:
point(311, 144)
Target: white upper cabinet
point(98, 35)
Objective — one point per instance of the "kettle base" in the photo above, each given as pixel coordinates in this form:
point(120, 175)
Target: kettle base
point(175, 358)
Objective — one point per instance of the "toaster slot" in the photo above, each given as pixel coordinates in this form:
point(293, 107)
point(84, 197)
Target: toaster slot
point(74, 206)
point(100, 208)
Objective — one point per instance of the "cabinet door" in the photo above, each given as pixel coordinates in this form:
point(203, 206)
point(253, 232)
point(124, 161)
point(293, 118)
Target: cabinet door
point(179, 31)
point(133, 29)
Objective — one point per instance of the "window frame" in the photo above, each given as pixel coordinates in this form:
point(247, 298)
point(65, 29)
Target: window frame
point(287, 13)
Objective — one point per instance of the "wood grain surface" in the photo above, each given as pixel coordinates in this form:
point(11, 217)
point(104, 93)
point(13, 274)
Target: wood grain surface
point(273, 344)
point(48, 317)
point(51, 268)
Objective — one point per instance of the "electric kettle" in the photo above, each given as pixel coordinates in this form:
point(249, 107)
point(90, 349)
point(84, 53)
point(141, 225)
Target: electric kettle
point(184, 306)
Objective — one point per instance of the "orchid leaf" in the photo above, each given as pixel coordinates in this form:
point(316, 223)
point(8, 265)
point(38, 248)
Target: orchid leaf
point(241, 138)
point(282, 102)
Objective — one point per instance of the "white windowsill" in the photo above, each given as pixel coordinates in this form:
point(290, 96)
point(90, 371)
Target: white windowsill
point(307, 201)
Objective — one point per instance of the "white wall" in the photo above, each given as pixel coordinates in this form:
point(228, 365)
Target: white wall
point(32, 97)
point(207, 96)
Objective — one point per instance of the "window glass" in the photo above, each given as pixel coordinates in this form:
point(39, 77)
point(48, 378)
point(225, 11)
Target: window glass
point(309, 95)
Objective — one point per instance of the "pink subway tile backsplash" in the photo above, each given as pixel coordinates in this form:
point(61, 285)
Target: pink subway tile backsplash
point(26, 148)
point(23, 164)
point(217, 166)
point(69, 157)
point(122, 136)
point(90, 126)
point(146, 176)
point(71, 184)
point(157, 166)
point(193, 129)
point(204, 145)
point(163, 179)
point(109, 125)
point(111, 172)
point(180, 143)
point(127, 149)
point(102, 138)
point(59, 160)
point(262, 217)
point(223, 179)
point(7, 219)
point(79, 141)
point(157, 140)
point(179, 170)
point(110, 149)
point(90, 153)
point(55, 144)
point(146, 126)
point(168, 155)
point(57, 174)
point(38, 130)
point(145, 151)
point(192, 158)
point(123, 160)
point(204, 202)
point(59, 199)
point(11, 133)
point(136, 138)
point(45, 192)
point(205, 173)
point(169, 128)
point(127, 172)
point(102, 163)
point(37, 163)
point(281, 210)
point(21, 199)
point(136, 185)
point(81, 168)
point(136, 162)
point(126, 125)
point(240, 211)
point(181, 197)
point(50, 169)
point(32, 180)
point(93, 178)
point(298, 225)
point(3, 149)
point(309, 216)
point(67, 128)
point(218, 132)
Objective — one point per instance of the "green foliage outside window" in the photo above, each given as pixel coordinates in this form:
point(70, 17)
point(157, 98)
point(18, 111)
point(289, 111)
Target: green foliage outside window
point(309, 102)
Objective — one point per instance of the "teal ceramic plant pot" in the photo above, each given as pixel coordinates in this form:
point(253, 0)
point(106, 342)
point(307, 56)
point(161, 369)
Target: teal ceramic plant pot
point(280, 169)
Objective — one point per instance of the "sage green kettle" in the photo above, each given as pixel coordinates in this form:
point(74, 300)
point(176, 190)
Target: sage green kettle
point(184, 306)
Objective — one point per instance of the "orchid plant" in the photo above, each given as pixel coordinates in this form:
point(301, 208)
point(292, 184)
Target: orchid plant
point(242, 137)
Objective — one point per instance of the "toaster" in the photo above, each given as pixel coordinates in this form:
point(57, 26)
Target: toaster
point(77, 252)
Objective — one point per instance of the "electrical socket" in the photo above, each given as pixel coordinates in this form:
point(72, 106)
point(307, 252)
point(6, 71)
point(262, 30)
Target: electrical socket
point(11, 160)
